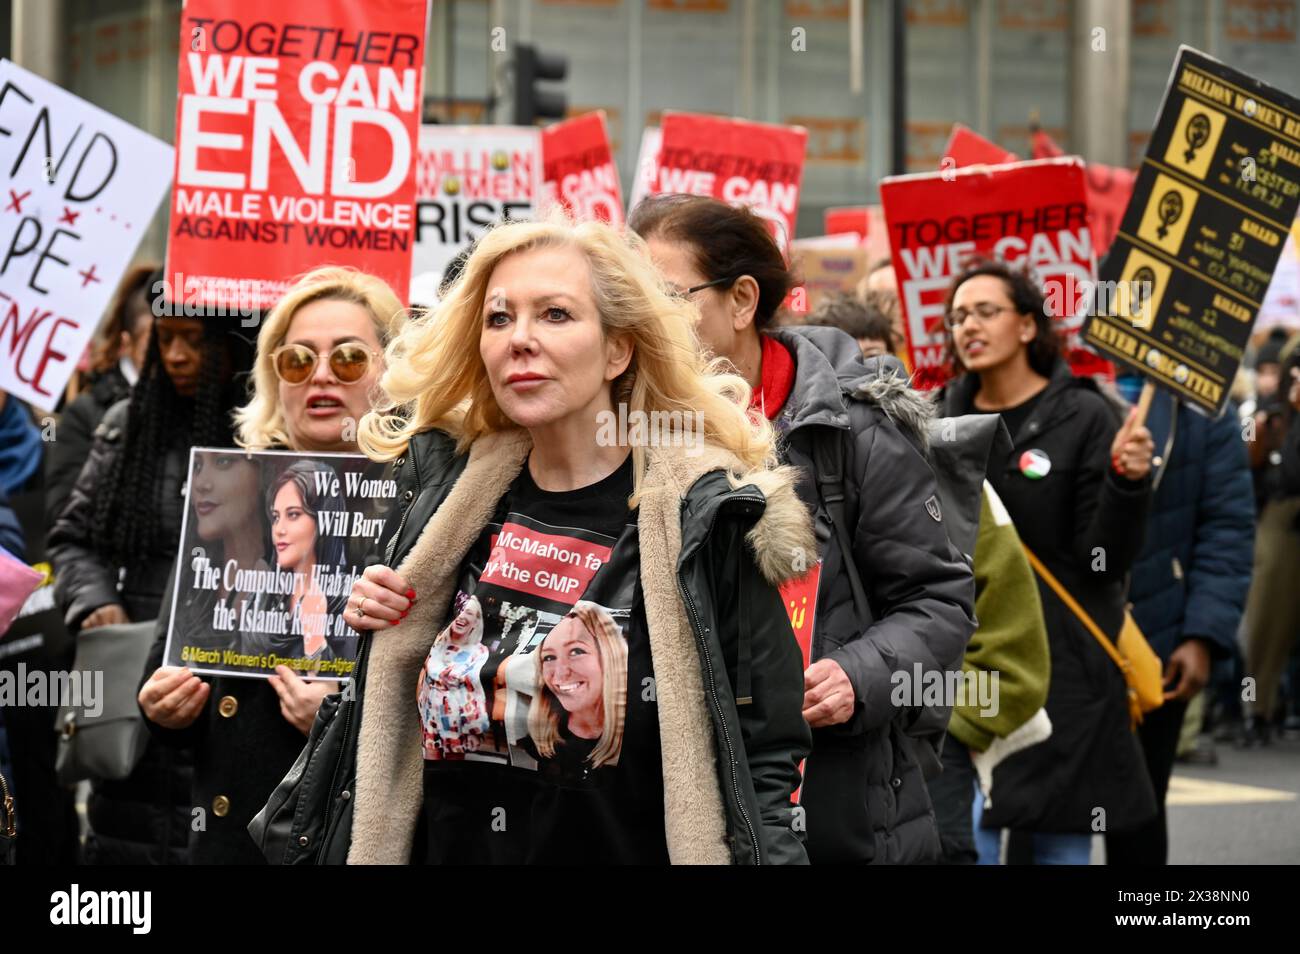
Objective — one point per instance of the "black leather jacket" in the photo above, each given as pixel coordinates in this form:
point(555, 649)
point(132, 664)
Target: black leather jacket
point(750, 664)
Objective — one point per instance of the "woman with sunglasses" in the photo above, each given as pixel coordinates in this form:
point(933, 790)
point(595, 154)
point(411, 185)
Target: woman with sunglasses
point(1077, 487)
point(319, 358)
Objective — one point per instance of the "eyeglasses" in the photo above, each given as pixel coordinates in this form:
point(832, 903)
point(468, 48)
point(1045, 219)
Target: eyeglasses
point(984, 311)
point(296, 363)
point(678, 293)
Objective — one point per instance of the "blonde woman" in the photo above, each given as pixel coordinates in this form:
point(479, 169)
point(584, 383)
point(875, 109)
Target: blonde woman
point(319, 358)
point(577, 716)
point(506, 491)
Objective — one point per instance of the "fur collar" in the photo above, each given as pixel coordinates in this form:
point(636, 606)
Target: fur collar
point(389, 787)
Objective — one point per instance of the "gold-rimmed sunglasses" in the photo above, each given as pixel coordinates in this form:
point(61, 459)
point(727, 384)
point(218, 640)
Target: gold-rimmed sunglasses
point(349, 362)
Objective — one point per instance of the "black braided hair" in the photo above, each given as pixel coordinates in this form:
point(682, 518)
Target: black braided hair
point(126, 524)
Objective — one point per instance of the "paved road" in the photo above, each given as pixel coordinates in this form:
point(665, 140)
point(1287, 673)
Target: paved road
point(1245, 810)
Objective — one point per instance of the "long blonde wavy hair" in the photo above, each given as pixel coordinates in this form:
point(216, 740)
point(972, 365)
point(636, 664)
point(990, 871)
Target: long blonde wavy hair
point(435, 377)
point(260, 423)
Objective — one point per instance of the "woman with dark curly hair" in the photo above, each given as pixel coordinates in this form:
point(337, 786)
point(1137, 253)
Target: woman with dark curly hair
point(115, 539)
point(116, 358)
point(1077, 486)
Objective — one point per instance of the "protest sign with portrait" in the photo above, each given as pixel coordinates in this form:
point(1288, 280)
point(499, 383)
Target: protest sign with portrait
point(1214, 201)
point(271, 544)
point(534, 670)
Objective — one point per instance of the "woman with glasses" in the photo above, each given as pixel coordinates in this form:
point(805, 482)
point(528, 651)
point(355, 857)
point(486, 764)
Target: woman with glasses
point(892, 594)
point(1077, 487)
point(319, 358)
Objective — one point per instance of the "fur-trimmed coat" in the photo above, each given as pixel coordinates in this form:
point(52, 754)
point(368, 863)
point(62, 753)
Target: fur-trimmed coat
point(865, 792)
point(728, 673)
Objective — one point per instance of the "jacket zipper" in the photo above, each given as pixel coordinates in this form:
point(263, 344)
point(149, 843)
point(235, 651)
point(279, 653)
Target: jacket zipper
point(392, 544)
point(347, 722)
point(713, 694)
point(11, 823)
point(1168, 451)
point(359, 671)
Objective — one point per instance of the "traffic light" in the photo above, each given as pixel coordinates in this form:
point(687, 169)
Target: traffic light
point(531, 102)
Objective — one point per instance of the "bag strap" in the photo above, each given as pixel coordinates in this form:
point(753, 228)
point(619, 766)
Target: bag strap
point(1082, 614)
point(830, 481)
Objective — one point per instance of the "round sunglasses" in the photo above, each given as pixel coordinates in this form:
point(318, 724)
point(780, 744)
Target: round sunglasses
point(296, 363)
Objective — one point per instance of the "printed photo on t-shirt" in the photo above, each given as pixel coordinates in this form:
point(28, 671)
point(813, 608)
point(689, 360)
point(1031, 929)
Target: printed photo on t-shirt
point(531, 672)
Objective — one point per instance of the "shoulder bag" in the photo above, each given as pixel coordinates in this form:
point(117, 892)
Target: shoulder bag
point(108, 742)
point(1134, 655)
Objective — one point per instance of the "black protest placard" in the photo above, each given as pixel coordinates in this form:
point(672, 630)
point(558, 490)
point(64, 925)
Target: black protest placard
point(271, 544)
point(1215, 197)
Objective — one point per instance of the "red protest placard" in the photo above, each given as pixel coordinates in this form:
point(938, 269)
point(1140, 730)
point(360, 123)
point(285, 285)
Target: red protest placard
point(1108, 188)
point(800, 597)
point(758, 165)
point(1026, 212)
point(296, 136)
point(578, 170)
point(847, 219)
point(966, 147)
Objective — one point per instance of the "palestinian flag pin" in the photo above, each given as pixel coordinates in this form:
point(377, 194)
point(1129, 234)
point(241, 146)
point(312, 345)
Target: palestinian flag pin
point(1035, 464)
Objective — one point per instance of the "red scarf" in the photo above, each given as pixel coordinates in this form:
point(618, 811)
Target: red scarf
point(777, 378)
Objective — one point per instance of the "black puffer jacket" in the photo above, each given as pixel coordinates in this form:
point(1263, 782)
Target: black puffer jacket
point(76, 433)
point(1087, 526)
point(86, 581)
point(144, 818)
point(864, 792)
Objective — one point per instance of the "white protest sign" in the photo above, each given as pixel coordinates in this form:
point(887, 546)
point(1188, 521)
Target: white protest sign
point(80, 188)
point(647, 166)
point(467, 179)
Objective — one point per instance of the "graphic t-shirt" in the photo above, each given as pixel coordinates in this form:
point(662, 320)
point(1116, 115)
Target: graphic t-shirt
point(537, 704)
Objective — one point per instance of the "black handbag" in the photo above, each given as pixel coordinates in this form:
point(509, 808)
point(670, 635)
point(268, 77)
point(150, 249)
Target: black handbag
point(109, 743)
point(308, 818)
point(8, 824)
